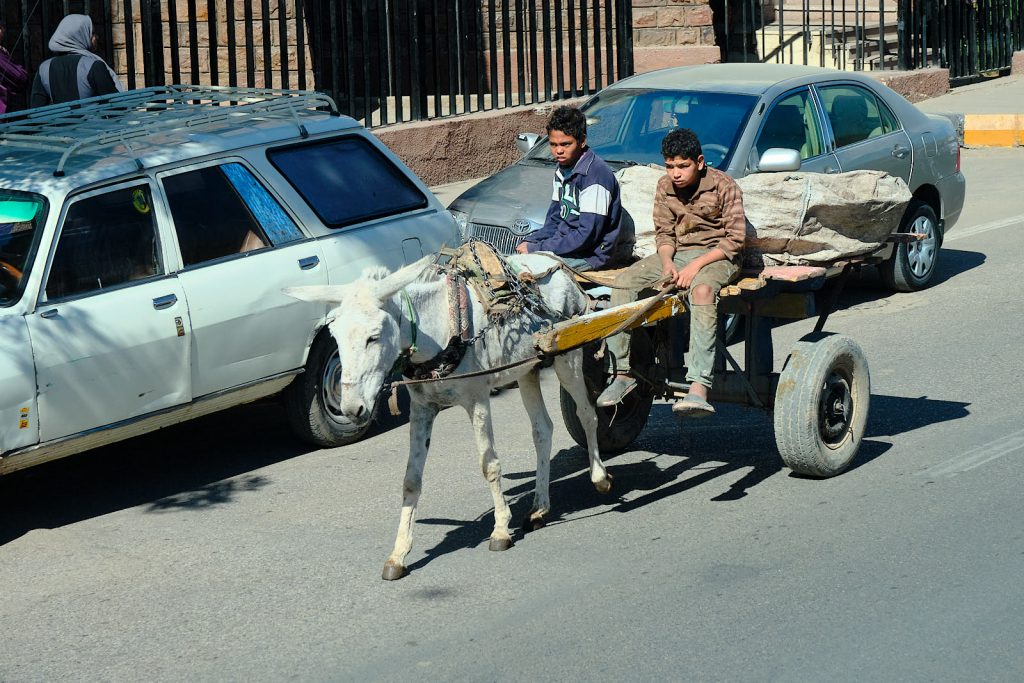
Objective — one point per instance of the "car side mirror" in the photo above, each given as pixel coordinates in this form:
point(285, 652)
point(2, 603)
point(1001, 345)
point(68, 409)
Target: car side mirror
point(526, 141)
point(777, 159)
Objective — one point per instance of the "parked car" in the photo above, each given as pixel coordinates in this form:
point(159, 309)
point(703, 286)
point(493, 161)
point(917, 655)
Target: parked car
point(835, 120)
point(145, 239)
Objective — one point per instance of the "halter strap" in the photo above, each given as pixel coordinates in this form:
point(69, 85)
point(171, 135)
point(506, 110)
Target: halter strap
point(412, 320)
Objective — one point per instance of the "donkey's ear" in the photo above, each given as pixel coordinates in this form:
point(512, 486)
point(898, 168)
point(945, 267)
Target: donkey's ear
point(402, 278)
point(333, 294)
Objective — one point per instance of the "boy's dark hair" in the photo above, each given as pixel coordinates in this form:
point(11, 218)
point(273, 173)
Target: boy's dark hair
point(569, 120)
point(682, 142)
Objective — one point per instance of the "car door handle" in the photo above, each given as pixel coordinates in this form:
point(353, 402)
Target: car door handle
point(831, 169)
point(900, 152)
point(49, 313)
point(165, 301)
point(309, 262)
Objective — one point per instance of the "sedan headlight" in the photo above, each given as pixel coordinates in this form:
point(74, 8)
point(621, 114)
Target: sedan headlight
point(461, 220)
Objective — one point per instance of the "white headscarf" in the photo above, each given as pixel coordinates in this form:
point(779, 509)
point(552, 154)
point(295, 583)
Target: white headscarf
point(74, 34)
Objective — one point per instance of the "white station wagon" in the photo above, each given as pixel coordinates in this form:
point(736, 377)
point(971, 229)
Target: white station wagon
point(145, 238)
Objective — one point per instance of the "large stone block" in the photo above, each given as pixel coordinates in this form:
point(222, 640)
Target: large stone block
point(916, 85)
point(652, 58)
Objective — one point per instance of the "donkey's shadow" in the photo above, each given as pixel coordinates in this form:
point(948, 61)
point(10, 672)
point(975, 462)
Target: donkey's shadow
point(697, 454)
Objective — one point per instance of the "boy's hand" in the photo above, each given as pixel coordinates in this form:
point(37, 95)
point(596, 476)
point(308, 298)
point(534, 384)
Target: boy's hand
point(521, 248)
point(684, 276)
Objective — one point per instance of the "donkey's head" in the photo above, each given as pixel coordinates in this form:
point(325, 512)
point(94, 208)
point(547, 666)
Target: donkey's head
point(367, 328)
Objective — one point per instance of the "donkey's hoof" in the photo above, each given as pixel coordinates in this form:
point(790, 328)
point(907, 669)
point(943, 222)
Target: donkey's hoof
point(392, 571)
point(535, 520)
point(501, 543)
point(605, 485)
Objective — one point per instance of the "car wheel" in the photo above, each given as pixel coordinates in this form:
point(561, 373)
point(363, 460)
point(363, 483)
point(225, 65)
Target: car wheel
point(912, 265)
point(312, 400)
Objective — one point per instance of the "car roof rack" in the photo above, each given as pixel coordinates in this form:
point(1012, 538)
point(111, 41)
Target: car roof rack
point(73, 126)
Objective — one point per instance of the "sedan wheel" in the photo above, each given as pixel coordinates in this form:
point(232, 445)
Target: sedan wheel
point(912, 264)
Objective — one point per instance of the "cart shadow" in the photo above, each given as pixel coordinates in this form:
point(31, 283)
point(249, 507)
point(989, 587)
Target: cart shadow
point(697, 453)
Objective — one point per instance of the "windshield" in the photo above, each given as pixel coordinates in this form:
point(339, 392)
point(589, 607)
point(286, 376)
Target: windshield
point(626, 125)
point(21, 221)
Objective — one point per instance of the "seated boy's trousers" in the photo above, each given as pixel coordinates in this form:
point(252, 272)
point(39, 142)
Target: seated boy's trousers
point(638, 279)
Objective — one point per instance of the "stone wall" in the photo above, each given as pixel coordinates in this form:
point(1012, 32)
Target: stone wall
point(183, 44)
point(672, 33)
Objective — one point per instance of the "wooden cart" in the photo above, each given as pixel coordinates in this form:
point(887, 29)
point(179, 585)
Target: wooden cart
point(819, 399)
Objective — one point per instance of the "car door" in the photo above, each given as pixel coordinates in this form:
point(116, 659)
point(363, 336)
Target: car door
point(866, 133)
point(239, 248)
point(110, 327)
point(792, 122)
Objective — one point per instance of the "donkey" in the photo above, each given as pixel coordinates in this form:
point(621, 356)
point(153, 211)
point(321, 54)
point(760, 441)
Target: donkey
point(382, 317)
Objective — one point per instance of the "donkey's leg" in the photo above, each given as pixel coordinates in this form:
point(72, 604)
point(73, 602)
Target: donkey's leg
point(479, 409)
point(421, 422)
point(533, 401)
point(569, 368)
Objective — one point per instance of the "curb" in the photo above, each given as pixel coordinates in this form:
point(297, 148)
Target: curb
point(993, 130)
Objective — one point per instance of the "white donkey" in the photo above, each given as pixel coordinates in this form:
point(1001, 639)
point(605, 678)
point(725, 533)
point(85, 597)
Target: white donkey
point(380, 316)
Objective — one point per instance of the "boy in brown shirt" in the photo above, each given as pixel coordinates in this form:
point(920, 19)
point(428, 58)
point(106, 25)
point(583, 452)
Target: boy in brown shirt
point(700, 227)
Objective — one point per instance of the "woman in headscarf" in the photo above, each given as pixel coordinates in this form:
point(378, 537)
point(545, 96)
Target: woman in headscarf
point(12, 76)
point(75, 72)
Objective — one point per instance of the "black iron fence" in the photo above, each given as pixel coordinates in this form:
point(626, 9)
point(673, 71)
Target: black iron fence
point(383, 61)
point(394, 60)
point(969, 37)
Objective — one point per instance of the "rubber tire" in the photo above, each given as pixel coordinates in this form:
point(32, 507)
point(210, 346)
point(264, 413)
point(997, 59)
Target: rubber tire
point(799, 398)
point(630, 415)
point(896, 271)
point(307, 412)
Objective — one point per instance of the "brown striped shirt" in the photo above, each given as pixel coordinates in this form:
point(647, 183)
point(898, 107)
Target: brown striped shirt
point(712, 216)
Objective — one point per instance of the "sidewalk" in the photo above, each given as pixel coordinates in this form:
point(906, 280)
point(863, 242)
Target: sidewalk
point(993, 111)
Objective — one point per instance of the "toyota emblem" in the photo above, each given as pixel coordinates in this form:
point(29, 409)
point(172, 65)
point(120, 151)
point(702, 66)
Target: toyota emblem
point(520, 226)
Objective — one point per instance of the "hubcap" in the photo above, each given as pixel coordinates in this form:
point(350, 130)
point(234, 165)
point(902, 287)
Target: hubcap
point(921, 254)
point(330, 391)
point(835, 409)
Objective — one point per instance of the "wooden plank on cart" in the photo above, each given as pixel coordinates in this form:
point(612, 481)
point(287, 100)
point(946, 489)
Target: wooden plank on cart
point(576, 332)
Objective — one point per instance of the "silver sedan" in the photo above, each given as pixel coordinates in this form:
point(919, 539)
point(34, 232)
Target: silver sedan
point(833, 120)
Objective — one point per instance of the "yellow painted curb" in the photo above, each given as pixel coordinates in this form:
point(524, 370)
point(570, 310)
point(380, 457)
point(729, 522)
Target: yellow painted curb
point(994, 130)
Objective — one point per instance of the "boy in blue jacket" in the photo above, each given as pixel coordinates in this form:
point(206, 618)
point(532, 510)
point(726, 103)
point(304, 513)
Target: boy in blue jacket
point(584, 223)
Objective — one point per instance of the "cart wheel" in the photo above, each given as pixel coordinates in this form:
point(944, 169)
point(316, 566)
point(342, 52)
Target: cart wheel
point(821, 405)
point(617, 426)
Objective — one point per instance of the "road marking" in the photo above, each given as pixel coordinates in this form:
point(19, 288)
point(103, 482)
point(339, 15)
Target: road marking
point(985, 227)
point(976, 457)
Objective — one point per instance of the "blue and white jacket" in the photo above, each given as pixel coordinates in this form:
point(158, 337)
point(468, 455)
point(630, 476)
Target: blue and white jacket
point(585, 216)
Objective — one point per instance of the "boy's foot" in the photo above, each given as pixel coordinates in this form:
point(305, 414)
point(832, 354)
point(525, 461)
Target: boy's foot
point(693, 406)
point(616, 391)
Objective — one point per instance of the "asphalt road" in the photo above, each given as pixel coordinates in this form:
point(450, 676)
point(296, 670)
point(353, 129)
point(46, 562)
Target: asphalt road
point(223, 550)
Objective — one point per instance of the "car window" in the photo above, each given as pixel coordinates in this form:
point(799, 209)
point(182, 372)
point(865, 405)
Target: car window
point(855, 114)
point(791, 123)
point(347, 180)
point(106, 240)
point(628, 125)
point(222, 211)
point(22, 216)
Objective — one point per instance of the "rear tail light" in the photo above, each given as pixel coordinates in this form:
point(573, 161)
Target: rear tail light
point(958, 158)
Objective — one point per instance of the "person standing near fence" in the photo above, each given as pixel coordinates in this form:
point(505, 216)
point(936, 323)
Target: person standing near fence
point(75, 72)
point(13, 77)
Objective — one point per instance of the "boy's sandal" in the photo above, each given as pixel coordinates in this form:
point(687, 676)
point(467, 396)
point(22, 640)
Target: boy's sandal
point(693, 406)
point(613, 394)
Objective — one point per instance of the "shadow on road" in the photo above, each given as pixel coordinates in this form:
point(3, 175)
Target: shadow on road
point(684, 456)
point(196, 465)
